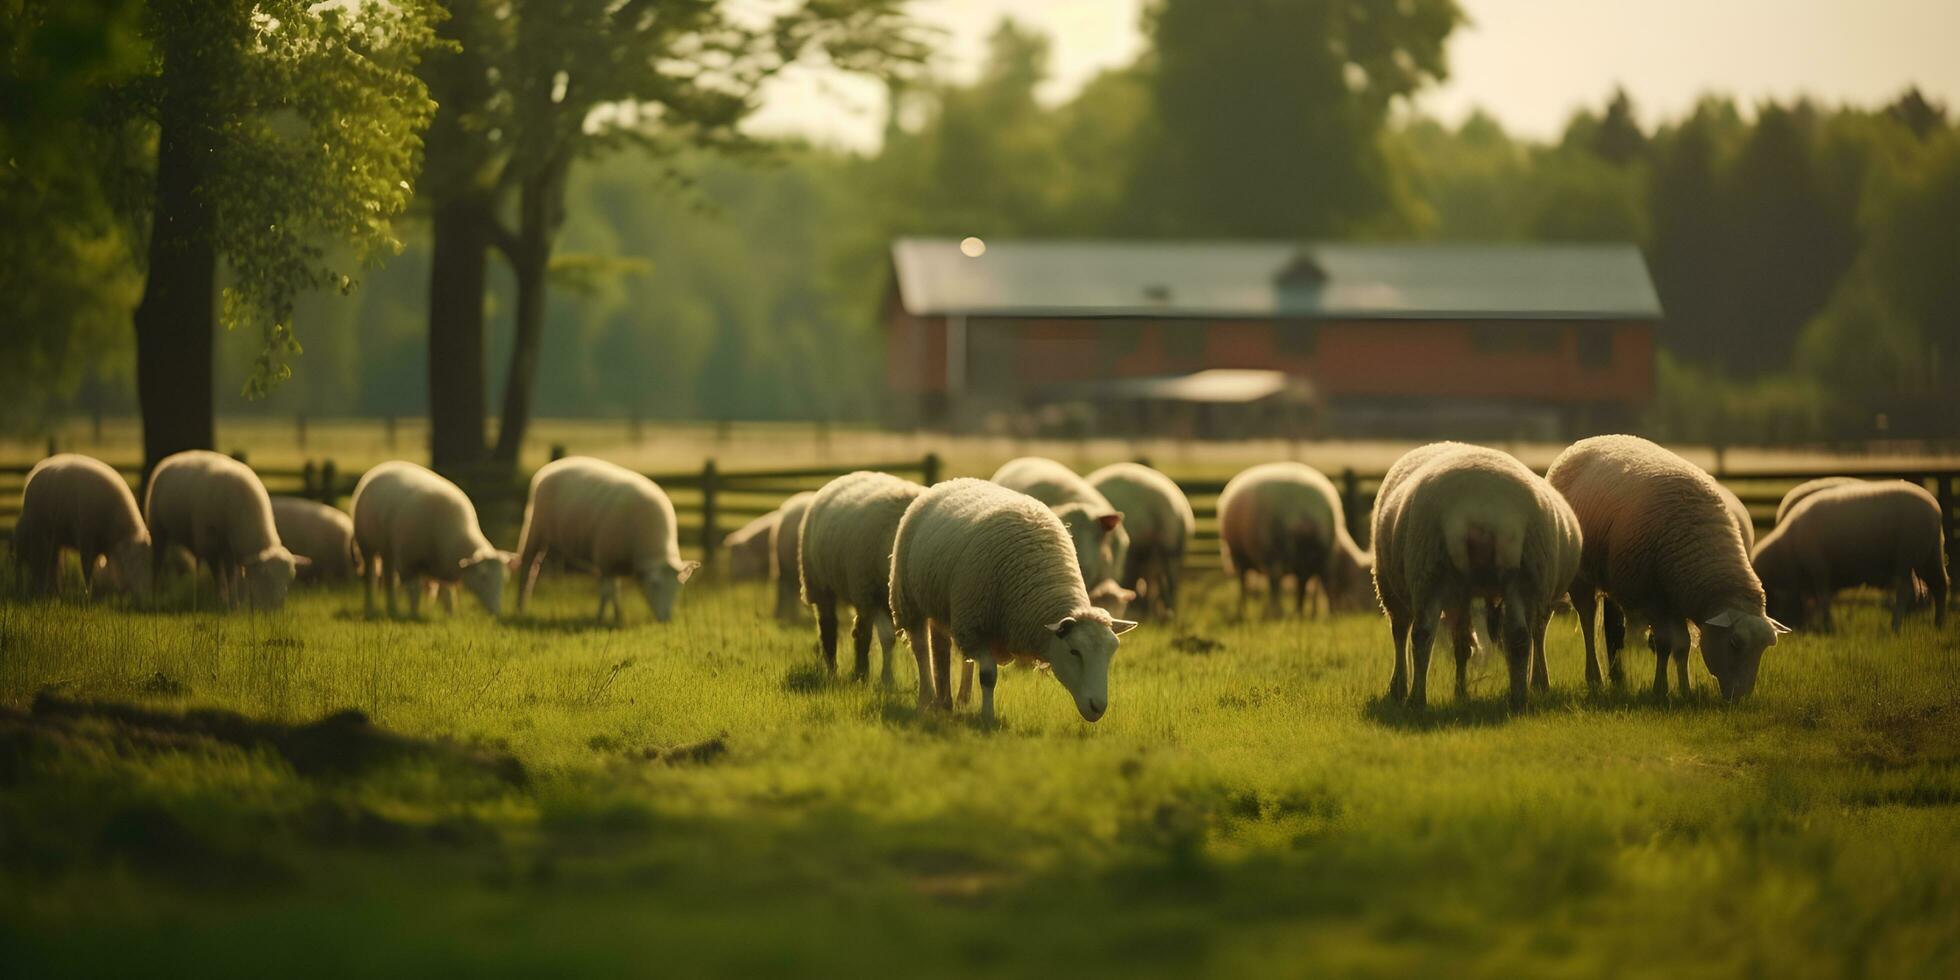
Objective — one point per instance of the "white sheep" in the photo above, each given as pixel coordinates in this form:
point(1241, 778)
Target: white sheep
point(783, 541)
point(1285, 519)
point(216, 507)
point(749, 548)
point(412, 524)
point(1663, 544)
point(846, 553)
point(1462, 523)
point(323, 535)
point(1739, 512)
point(1102, 545)
point(1805, 489)
point(591, 514)
point(993, 571)
point(1880, 534)
point(79, 503)
point(1158, 519)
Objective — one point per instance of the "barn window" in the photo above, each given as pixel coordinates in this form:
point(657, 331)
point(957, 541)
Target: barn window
point(1595, 349)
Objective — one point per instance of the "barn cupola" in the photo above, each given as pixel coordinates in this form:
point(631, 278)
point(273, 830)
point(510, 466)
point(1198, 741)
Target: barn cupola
point(1299, 282)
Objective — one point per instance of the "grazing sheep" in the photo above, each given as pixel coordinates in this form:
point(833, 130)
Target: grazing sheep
point(846, 553)
point(1662, 543)
point(216, 507)
point(1802, 490)
point(323, 535)
point(1463, 523)
point(749, 548)
point(784, 539)
point(78, 502)
point(1157, 517)
point(993, 571)
point(1880, 534)
point(1745, 525)
point(590, 514)
point(1102, 545)
point(411, 523)
point(1281, 519)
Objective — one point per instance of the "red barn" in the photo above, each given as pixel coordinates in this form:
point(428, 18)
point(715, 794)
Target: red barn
point(1402, 339)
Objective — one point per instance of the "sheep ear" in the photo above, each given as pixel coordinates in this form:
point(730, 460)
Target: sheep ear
point(1122, 626)
point(688, 568)
point(1110, 520)
point(1725, 618)
point(509, 558)
point(1778, 627)
point(1061, 626)
point(301, 561)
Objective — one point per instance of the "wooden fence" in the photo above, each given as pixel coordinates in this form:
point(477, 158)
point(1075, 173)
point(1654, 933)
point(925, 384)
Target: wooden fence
point(710, 502)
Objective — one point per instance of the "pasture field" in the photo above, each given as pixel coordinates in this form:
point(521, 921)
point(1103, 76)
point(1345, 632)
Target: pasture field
point(547, 797)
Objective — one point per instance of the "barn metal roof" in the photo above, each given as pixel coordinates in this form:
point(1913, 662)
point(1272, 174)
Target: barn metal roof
point(1275, 280)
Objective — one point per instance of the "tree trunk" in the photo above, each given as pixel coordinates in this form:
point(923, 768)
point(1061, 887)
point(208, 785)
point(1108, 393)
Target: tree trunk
point(541, 211)
point(176, 316)
point(461, 232)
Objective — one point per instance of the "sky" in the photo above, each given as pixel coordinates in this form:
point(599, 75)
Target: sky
point(1527, 62)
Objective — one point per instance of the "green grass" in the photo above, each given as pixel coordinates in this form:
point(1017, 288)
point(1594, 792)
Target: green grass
point(1251, 809)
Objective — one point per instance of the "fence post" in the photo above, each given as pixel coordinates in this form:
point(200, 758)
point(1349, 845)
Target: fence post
point(52, 447)
point(329, 483)
point(239, 454)
point(1351, 499)
point(309, 481)
point(557, 451)
point(388, 425)
point(709, 537)
point(929, 469)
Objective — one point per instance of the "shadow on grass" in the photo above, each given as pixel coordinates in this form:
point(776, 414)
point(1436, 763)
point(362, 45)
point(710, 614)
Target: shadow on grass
point(1493, 710)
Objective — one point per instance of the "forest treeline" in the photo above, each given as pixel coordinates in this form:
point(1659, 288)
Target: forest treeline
point(675, 267)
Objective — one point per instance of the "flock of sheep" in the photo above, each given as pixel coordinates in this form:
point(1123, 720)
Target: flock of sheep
point(1038, 563)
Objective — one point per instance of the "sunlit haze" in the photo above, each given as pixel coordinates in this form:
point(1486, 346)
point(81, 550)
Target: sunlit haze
point(1527, 62)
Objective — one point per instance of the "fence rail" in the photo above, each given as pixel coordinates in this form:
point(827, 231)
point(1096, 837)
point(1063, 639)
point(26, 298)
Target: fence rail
point(710, 502)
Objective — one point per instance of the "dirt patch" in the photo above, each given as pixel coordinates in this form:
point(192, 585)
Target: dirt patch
point(339, 745)
point(699, 753)
point(1196, 645)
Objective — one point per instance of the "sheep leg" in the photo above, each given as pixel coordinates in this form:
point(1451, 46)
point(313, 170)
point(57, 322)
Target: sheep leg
point(1540, 679)
point(883, 624)
point(918, 637)
point(1517, 648)
point(1245, 590)
point(942, 668)
point(1398, 681)
point(415, 591)
point(529, 566)
point(394, 584)
point(372, 572)
point(1170, 589)
point(989, 672)
point(1614, 624)
point(1585, 603)
point(1300, 596)
point(1937, 587)
point(826, 606)
point(1460, 641)
point(966, 682)
point(447, 597)
point(860, 647)
point(1421, 640)
point(1275, 585)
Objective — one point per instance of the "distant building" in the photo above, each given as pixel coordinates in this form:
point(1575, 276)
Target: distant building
point(1407, 339)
